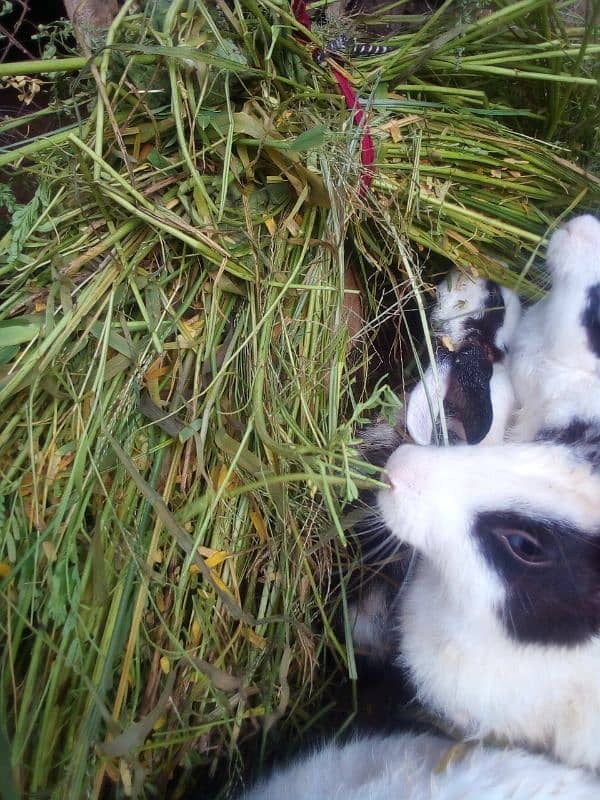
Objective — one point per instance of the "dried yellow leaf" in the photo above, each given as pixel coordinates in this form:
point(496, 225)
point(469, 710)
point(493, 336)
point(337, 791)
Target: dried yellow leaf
point(218, 582)
point(259, 525)
point(195, 632)
point(156, 370)
point(217, 557)
point(394, 129)
point(255, 639)
point(221, 476)
point(49, 551)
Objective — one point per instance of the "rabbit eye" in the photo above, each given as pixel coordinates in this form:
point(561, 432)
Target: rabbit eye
point(525, 548)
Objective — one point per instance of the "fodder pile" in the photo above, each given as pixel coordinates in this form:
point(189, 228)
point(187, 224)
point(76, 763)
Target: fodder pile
point(179, 383)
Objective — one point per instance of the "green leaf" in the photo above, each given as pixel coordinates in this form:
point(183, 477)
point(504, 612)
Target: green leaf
point(59, 591)
point(8, 353)
point(7, 198)
point(230, 51)
point(189, 430)
point(310, 139)
point(205, 118)
point(155, 159)
point(19, 330)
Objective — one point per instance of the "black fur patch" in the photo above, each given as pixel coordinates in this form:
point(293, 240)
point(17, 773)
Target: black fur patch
point(377, 571)
point(581, 436)
point(485, 329)
point(468, 401)
point(468, 397)
point(556, 601)
point(590, 318)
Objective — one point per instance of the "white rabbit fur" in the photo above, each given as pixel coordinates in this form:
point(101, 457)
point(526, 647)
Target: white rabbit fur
point(555, 373)
point(407, 767)
point(460, 297)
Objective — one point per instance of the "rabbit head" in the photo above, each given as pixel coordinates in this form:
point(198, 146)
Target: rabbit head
point(473, 322)
point(500, 624)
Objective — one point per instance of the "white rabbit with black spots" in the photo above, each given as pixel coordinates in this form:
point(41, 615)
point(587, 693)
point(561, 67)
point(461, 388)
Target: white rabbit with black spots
point(499, 624)
point(498, 628)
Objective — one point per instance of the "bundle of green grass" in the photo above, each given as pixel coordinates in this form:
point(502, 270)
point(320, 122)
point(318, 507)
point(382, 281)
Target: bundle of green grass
point(181, 381)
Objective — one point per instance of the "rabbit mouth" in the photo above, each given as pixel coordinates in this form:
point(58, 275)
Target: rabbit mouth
point(403, 506)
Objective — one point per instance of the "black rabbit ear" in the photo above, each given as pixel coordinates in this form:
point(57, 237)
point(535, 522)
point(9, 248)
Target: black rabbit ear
point(468, 399)
point(461, 389)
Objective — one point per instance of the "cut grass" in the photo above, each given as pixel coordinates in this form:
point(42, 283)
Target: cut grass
point(168, 578)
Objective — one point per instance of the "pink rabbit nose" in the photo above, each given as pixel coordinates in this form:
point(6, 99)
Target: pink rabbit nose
point(407, 468)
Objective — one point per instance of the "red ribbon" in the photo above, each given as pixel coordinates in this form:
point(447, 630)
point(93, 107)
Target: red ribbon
point(300, 11)
point(367, 148)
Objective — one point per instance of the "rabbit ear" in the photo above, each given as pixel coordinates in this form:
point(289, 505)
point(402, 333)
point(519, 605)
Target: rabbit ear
point(469, 397)
point(463, 390)
point(426, 401)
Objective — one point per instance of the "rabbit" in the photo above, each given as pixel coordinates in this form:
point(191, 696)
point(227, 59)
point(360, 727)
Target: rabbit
point(474, 321)
point(423, 767)
point(499, 624)
point(498, 628)
point(551, 371)
point(545, 363)
point(555, 355)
